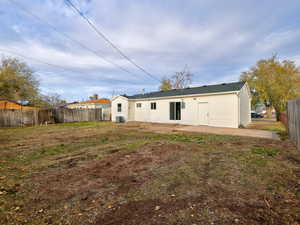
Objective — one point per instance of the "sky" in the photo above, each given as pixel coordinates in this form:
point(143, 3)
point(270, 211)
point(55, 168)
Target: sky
point(216, 39)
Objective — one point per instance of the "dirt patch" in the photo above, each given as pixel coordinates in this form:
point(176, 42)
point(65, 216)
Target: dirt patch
point(116, 173)
point(217, 206)
point(294, 160)
point(72, 162)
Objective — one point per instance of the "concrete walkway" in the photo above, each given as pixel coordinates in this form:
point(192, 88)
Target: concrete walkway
point(231, 131)
point(164, 128)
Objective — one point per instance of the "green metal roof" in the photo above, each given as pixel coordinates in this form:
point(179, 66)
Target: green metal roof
point(205, 89)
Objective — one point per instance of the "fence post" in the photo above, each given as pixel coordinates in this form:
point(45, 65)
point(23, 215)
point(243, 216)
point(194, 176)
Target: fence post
point(293, 116)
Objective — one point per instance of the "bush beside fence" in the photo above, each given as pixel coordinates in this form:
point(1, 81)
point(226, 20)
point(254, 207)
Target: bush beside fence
point(293, 110)
point(16, 118)
point(283, 119)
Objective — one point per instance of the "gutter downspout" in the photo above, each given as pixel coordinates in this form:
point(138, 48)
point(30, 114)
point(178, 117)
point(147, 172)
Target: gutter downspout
point(239, 109)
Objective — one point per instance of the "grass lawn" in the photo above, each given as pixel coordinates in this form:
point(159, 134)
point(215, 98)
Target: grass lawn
point(267, 124)
point(102, 173)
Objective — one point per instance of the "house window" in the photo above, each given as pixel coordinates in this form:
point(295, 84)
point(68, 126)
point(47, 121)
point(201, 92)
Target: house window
point(153, 105)
point(175, 110)
point(139, 105)
point(119, 107)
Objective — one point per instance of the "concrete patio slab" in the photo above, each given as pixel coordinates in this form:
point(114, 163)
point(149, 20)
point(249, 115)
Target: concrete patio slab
point(164, 128)
point(231, 131)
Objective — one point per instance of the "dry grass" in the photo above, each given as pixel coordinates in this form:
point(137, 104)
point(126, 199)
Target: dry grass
point(267, 124)
point(103, 173)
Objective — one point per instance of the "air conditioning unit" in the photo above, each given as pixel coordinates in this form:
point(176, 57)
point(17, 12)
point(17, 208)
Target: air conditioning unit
point(120, 119)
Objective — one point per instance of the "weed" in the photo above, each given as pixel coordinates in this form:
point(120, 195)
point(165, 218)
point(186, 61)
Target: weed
point(104, 140)
point(187, 138)
point(135, 145)
point(267, 151)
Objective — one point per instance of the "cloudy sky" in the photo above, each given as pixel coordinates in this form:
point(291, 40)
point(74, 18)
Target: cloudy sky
point(216, 39)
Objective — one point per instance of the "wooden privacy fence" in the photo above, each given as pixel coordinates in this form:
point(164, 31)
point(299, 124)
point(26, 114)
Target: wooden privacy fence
point(72, 115)
point(15, 118)
point(293, 111)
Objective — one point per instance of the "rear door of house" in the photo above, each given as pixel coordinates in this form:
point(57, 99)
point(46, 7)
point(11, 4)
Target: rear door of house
point(175, 110)
point(203, 113)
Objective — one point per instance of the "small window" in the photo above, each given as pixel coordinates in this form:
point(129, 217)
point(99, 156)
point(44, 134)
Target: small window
point(153, 105)
point(119, 107)
point(139, 105)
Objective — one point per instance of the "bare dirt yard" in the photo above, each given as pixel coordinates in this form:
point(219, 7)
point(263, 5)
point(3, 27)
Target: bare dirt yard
point(102, 173)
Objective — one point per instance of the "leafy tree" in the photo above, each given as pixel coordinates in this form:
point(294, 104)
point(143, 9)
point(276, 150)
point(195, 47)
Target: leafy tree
point(17, 81)
point(273, 82)
point(165, 84)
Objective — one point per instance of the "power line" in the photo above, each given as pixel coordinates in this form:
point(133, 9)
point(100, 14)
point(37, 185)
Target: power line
point(70, 38)
point(37, 60)
point(43, 62)
point(72, 6)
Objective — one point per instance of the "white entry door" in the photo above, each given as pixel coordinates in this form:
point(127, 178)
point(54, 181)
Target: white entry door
point(203, 113)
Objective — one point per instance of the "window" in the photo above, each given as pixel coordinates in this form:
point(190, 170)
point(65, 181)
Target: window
point(175, 110)
point(139, 105)
point(153, 105)
point(119, 107)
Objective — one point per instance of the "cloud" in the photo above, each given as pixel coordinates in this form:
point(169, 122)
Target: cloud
point(277, 39)
point(61, 57)
point(216, 39)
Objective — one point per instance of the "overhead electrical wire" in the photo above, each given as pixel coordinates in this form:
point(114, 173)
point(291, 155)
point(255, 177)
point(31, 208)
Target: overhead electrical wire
point(37, 60)
point(70, 38)
point(43, 62)
point(103, 36)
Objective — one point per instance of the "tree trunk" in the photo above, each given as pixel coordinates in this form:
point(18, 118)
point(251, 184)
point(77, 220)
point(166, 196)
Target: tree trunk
point(277, 116)
point(269, 111)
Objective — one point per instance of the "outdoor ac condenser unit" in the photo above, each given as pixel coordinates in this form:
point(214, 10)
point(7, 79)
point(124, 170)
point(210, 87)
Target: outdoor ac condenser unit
point(120, 119)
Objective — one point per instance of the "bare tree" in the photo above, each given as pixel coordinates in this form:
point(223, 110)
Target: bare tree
point(51, 100)
point(182, 79)
point(179, 80)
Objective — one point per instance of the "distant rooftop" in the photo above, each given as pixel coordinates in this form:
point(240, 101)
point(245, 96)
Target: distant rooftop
point(101, 100)
point(205, 89)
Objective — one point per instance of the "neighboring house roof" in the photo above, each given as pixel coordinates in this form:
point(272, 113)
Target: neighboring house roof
point(10, 104)
point(101, 101)
point(5, 99)
point(205, 89)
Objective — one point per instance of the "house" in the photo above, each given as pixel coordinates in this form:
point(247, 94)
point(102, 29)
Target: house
point(91, 104)
point(221, 105)
point(102, 103)
point(9, 104)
